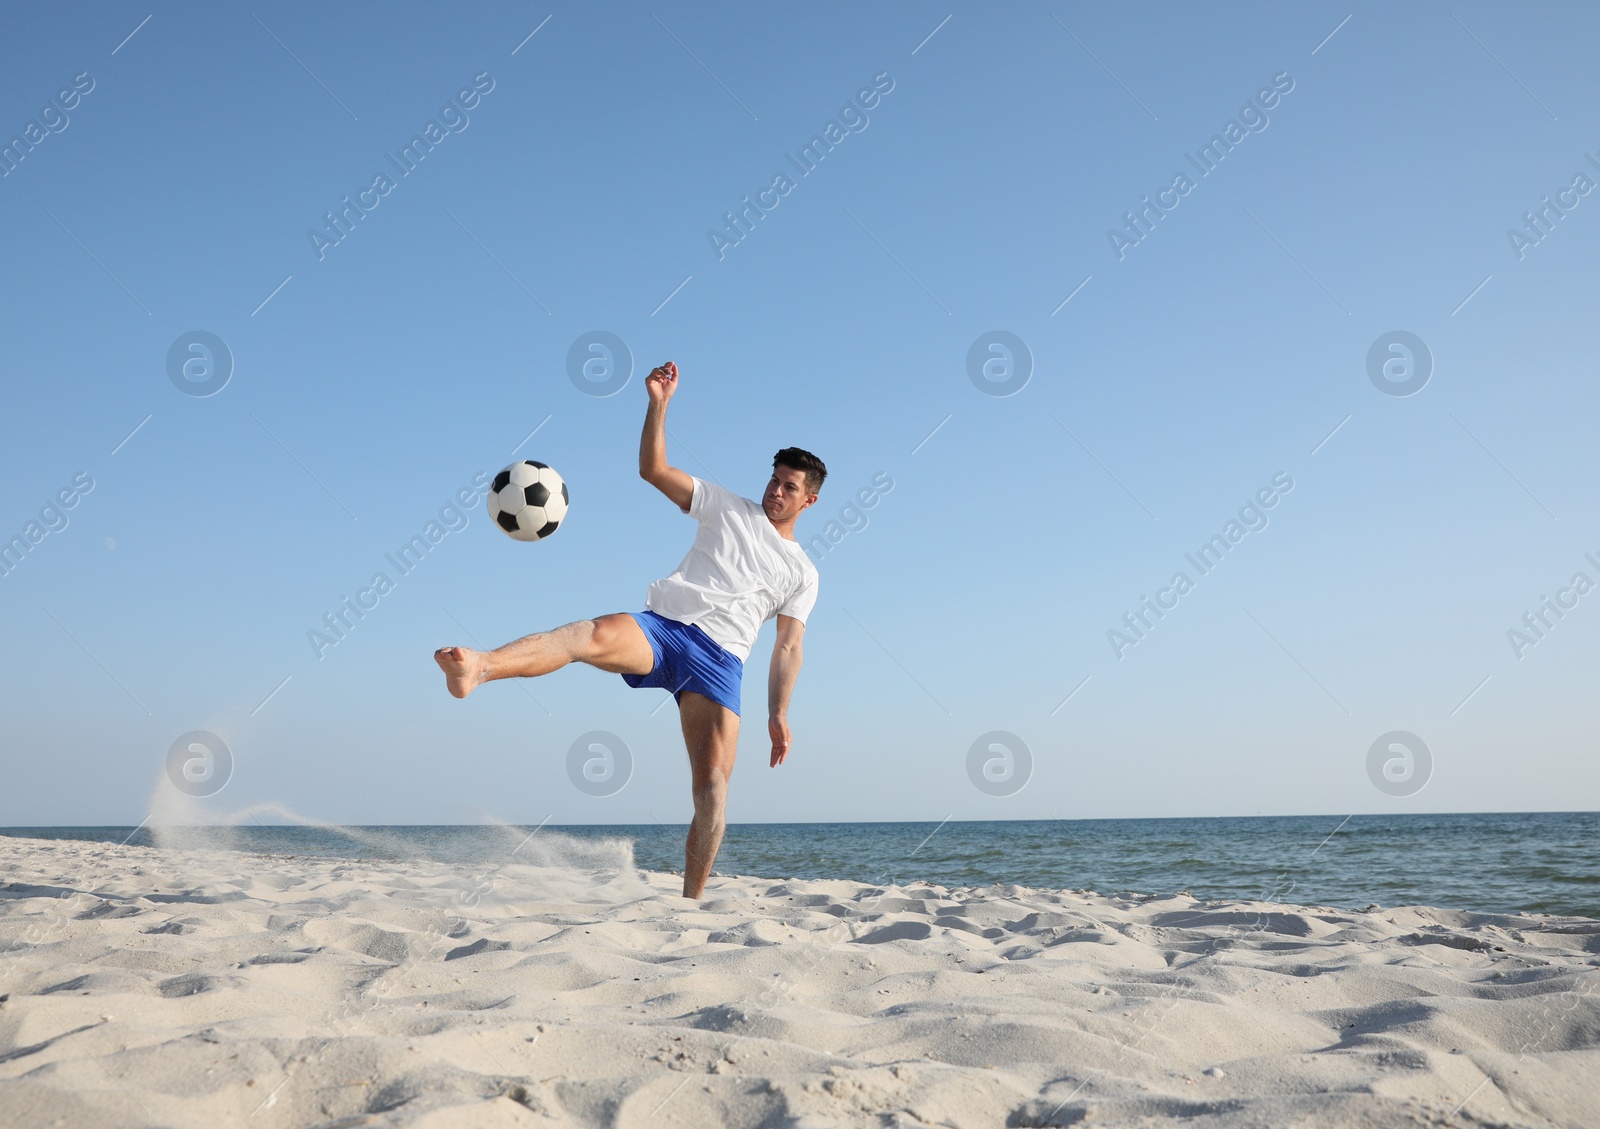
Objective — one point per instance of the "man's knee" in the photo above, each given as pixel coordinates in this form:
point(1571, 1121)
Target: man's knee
point(616, 639)
point(710, 795)
point(603, 639)
point(590, 637)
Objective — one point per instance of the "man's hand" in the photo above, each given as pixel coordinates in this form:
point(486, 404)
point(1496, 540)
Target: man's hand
point(662, 383)
point(653, 466)
point(779, 728)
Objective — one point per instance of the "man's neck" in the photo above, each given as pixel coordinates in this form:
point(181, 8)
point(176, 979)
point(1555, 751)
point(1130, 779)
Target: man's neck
point(785, 528)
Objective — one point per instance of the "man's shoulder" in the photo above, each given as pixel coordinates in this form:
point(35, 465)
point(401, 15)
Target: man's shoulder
point(807, 566)
point(808, 570)
point(717, 496)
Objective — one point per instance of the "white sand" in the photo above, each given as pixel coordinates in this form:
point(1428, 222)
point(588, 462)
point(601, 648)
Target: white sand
point(207, 988)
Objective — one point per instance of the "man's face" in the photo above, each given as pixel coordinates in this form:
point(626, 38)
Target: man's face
point(786, 494)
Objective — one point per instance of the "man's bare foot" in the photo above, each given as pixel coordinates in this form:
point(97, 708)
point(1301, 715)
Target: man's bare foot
point(463, 669)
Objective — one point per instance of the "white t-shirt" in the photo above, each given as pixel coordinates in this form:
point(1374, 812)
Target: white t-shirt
point(738, 573)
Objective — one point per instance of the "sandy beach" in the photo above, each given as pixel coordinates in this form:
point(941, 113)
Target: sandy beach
point(189, 987)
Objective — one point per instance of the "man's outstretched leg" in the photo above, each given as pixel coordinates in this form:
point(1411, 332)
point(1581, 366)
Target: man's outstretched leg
point(711, 734)
point(611, 642)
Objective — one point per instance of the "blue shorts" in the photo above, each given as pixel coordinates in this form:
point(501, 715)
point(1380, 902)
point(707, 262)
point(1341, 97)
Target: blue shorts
point(688, 659)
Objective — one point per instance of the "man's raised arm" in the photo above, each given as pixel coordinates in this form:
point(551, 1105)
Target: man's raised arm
point(653, 467)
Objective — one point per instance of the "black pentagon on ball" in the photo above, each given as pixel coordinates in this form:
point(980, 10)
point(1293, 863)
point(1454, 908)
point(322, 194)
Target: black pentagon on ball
point(507, 522)
point(501, 479)
point(541, 466)
point(549, 528)
point(564, 497)
point(537, 493)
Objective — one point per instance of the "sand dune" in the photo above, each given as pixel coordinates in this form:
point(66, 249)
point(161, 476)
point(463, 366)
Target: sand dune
point(178, 987)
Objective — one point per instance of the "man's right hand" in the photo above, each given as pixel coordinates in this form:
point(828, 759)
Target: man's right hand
point(653, 466)
point(662, 383)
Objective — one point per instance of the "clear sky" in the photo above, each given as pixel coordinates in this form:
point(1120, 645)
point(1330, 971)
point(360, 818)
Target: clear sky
point(1378, 160)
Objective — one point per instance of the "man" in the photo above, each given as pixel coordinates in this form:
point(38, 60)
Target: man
point(744, 567)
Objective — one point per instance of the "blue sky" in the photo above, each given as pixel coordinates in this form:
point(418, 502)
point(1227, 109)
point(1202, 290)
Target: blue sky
point(374, 379)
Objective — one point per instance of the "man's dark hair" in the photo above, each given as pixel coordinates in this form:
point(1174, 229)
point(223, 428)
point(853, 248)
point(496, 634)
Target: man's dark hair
point(796, 459)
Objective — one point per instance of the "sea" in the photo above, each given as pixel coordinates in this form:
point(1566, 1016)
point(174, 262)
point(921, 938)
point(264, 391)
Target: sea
point(1535, 862)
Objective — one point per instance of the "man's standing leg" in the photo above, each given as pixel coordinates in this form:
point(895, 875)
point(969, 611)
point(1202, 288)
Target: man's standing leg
point(711, 734)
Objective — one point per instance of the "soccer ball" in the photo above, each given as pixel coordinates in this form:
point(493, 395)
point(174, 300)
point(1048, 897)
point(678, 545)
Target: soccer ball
point(528, 500)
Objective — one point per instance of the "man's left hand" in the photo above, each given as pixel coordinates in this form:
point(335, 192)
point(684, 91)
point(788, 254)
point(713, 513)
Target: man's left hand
point(779, 728)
